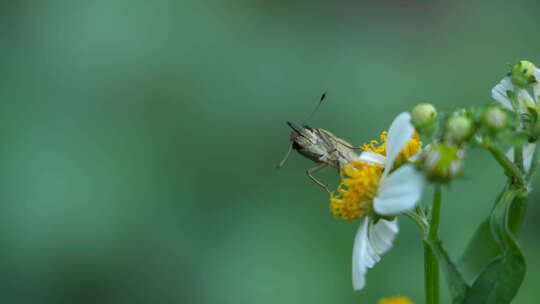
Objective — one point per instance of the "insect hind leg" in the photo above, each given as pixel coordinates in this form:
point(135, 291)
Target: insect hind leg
point(314, 170)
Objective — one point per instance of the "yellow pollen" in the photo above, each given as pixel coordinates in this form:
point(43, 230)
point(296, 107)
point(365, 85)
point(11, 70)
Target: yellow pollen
point(396, 300)
point(376, 147)
point(360, 180)
point(356, 191)
point(413, 146)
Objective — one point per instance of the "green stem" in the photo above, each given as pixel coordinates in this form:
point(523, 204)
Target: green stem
point(431, 265)
point(511, 170)
point(435, 214)
point(431, 275)
point(518, 157)
point(518, 151)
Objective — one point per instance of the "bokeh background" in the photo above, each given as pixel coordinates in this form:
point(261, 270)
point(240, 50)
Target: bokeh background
point(139, 139)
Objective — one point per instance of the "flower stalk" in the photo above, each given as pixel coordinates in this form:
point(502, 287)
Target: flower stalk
point(431, 264)
point(518, 154)
point(510, 169)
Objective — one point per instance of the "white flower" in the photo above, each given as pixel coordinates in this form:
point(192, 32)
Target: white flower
point(528, 153)
point(398, 191)
point(500, 94)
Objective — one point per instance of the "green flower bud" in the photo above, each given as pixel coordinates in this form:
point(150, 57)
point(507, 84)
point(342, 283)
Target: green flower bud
point(495, 119)
point(443, 162)
point(459, 128)
point(522, 74)
point(424, 118)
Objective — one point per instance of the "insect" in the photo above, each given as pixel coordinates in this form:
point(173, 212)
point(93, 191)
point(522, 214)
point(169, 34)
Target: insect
point(319, 145)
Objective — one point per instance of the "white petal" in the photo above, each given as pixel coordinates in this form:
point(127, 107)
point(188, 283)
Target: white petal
point(499, 93)
point(382, 234)
point(528, 153)
point(536, 87)
point(400, 132)
point(371, 241)
point(400, 191)
point(524, 95)
point(510, 154)
point(359, 267)
point(371, 157)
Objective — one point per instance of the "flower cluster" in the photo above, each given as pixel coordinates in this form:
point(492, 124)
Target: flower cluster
point(423, 147)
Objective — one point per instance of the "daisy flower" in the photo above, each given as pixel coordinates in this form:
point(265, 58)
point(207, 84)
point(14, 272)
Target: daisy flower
point(500, 94)
point(395, 300)
point(377, 187)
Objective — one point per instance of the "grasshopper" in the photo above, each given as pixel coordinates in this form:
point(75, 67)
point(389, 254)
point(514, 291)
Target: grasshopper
point(321, 146)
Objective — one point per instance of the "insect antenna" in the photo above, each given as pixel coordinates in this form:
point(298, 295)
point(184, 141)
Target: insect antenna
point(323, 96)
point(282, 163)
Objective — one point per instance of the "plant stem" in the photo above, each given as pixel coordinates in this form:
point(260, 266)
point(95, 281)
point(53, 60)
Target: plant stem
point(511, 170)
point(518, 157)
point(431, 265)
point(431, 275)
point(435, 214)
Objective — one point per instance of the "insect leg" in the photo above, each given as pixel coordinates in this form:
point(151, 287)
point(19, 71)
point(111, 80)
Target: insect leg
point(314, 170)
point(282, 163)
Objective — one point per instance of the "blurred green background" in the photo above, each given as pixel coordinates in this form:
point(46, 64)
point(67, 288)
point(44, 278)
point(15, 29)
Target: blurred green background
point(139, 139)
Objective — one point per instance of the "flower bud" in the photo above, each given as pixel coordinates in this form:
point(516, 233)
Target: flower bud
point(443, 162)
point(424, 118)
point(522, 74)
point(459, 128)
point(495, 119)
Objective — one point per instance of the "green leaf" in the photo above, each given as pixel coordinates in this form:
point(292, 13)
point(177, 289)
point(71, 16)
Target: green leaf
point(456, 284)
point(482, 249)
point(499, 282)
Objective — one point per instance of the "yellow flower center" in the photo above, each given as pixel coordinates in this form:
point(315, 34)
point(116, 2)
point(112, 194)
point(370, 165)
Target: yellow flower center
point(360, 180)
point(396, 300)
point(356, 191)
point(376, 147)
point(412, 147)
